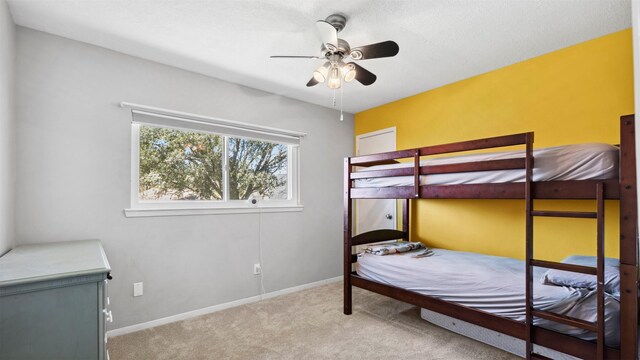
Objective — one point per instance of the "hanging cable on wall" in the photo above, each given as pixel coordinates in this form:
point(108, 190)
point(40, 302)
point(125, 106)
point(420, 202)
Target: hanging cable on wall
point(262, 291)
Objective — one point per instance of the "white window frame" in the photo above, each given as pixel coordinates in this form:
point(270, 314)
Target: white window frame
point(145, 208)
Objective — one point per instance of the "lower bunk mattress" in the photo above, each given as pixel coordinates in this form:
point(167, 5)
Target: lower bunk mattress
point(492, 284)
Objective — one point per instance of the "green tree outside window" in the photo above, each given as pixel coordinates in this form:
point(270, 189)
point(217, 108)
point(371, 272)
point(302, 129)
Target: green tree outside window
point(187, 165)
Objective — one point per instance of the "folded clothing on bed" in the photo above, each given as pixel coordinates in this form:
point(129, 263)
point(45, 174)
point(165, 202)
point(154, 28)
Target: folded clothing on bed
point(393, 248)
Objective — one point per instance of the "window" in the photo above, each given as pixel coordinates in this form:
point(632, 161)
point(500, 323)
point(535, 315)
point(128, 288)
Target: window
point(257, 169)
point(179, 165)
point(182, 166)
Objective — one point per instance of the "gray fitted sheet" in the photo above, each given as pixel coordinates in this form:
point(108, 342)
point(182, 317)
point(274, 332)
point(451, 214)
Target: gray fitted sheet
point(593, 161)
point(492, 284)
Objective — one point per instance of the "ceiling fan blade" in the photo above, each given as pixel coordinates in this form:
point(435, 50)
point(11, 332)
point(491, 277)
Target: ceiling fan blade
point(364, 76)
point(328, 35)
point(312, 82)
point(373, 51)
point(294, 57)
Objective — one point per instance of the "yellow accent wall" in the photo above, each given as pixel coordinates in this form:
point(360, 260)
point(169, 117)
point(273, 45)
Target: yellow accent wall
point(572, 95)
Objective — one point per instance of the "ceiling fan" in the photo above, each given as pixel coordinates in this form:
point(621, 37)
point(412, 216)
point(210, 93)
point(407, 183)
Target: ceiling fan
point(335, 51)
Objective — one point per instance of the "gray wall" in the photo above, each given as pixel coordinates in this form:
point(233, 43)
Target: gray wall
point(7, 129)
point(74, 176)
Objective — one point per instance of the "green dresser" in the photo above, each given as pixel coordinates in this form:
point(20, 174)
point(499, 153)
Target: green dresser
point(53, 301)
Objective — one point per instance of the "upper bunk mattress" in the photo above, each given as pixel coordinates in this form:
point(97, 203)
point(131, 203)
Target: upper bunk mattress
point(594, 161)
point(492, 284)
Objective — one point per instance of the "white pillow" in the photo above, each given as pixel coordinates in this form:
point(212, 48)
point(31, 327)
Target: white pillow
point(577, 280)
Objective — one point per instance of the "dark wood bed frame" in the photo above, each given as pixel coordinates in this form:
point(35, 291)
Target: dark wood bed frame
point(622, 188)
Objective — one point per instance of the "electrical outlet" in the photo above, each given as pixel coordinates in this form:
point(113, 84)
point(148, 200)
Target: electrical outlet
point(257, 269)
point(137, 289)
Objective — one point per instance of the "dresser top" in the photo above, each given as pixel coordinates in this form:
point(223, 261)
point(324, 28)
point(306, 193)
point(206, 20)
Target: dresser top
point(50, 261)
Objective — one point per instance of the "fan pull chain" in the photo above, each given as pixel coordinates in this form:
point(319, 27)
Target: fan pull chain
point(341, 91)
point(334, 98)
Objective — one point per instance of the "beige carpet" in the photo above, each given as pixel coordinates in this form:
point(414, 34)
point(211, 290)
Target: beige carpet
point(305, 325)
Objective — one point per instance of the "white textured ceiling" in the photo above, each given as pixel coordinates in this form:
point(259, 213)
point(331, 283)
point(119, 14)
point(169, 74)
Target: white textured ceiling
point(441, 41)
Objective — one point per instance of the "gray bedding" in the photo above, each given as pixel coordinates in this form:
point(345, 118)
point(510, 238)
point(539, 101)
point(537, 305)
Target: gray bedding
point(492, 284)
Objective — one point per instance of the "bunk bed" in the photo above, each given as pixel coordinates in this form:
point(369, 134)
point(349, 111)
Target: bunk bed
point(390, 176)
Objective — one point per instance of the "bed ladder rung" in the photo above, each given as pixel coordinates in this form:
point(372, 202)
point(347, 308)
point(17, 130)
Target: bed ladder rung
point(536, 356)
point(567, 214)
point(589, 270)
point(567, 320)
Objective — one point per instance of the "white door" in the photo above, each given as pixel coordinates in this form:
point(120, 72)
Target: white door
point(374, 214)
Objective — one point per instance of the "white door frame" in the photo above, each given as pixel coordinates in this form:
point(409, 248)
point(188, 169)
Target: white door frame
point(358, 138)
point(373, 133)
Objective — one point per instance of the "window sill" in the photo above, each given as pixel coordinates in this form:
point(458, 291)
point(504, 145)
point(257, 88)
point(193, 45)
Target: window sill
point(132, 213)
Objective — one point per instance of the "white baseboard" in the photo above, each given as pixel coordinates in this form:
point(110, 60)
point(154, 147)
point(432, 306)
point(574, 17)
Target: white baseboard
point(214, 308)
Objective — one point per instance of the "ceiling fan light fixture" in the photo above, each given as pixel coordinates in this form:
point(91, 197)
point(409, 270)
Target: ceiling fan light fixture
point(349, 72)
point(321, 73)
point(335, 81)
point(334, 72)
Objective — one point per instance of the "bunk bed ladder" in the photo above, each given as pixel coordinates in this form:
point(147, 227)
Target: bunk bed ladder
point(531, 262)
